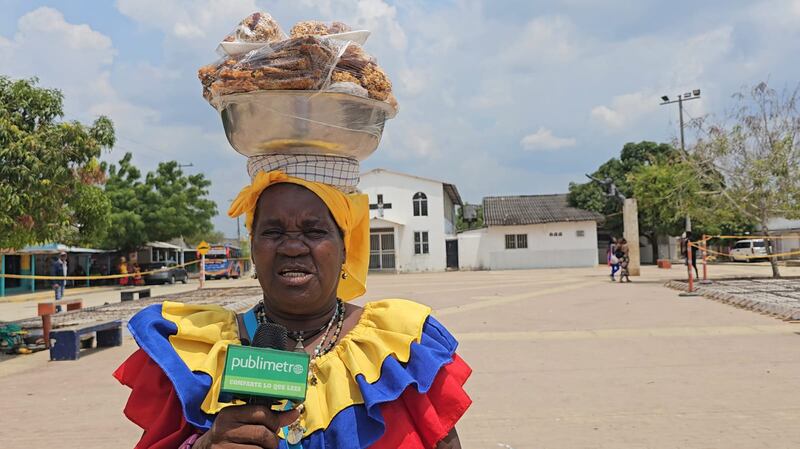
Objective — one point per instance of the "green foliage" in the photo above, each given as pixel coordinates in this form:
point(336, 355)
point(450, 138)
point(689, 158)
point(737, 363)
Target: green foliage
point(758, 153)
point(668, 189)
point(593, 196)
point(167, 204)
point(47, 168)
point(211, 237)
point(462, 225)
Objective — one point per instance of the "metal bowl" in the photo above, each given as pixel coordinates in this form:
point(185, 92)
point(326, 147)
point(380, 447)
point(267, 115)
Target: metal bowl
point(303, 122)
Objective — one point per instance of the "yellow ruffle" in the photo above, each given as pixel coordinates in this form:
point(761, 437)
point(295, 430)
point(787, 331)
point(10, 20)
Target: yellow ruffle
point(204, 333)
point(385, 328)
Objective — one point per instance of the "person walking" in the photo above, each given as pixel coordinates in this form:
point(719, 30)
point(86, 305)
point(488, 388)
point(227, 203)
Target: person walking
point(613, 260)
point(687, 241)
point(59, 268)
point(623, 254)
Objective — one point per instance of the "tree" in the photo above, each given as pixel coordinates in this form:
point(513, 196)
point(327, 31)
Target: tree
point(758, 154)
point(47, 168)
point(462, 225)
point(209, 237)
point(591, 196)
point(668, 189)
point(167, 204)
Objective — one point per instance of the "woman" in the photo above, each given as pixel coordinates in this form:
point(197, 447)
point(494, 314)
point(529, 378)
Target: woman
point(123, 269)
point(383, 376)
point(623, 254)
point(613, 260)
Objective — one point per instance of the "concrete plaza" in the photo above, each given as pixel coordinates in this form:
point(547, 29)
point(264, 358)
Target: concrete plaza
point(561, 359)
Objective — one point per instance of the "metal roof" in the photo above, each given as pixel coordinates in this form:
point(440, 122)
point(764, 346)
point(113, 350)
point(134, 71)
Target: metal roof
point(55, 248)
point(532, 209)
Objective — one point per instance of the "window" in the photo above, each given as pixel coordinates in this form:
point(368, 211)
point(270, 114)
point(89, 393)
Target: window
point(555, 234)
point(420, 205)
point(580, 233)
point(421, 242)
point(516, 241)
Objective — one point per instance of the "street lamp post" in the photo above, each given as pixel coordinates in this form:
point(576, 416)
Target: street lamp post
point(693, 95)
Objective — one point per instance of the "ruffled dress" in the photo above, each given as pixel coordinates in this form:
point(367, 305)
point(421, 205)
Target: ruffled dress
point(394, 381)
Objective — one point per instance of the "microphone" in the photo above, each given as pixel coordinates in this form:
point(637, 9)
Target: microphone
point(268, 335)
point(265, 372)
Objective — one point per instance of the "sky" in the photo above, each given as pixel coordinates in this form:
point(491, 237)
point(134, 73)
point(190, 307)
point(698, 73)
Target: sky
point(497, 97)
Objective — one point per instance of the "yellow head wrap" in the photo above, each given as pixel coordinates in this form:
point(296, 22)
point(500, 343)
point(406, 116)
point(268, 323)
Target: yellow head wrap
point(351, 213)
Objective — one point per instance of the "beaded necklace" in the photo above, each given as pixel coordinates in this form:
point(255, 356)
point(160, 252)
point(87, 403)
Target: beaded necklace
point(295, 431)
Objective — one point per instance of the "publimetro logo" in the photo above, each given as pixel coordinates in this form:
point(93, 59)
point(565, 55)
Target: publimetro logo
point(265, 372)
point(262, 364)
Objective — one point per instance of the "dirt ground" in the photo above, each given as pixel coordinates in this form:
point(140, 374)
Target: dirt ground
point(561, 359)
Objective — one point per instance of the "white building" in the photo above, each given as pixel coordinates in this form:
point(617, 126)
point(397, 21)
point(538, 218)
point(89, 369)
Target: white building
point(788, 232)
point(530, 231)
point(412, 222)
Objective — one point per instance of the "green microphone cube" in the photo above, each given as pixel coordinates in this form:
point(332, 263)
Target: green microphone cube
point(265, 372)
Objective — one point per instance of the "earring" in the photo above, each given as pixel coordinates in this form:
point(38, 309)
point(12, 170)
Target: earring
point(344, 274)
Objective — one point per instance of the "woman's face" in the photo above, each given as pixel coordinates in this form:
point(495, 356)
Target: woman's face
point(297, 250)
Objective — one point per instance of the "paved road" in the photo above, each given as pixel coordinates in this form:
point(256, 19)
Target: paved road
point(561, 358)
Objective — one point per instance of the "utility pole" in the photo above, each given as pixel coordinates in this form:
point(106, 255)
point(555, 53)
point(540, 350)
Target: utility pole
point(238, 231)
point(693, 95)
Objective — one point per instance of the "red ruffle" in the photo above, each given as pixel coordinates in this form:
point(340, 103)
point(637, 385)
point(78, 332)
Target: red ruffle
point(421, 421)
point(153, 404)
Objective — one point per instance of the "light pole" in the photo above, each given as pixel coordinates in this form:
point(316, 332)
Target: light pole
point(238, 228)
point(693, 95)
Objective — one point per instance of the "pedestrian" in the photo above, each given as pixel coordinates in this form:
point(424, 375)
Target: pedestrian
point(123, 269)
point(137, 275)
point(613, 260)
point(685, 250)
point(59, 268)
point(623, 254)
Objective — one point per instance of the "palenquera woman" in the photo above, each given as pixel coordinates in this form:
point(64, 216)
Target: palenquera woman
point(383, 376)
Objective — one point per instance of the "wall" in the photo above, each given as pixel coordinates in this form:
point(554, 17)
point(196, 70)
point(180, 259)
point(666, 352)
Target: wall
point(399, 190)
point(469, 249)
point(485, 249)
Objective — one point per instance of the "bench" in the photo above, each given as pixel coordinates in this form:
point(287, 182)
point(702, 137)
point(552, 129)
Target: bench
point(70, 340)
point(127, 295)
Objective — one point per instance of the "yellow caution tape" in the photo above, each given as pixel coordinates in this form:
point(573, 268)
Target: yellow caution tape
point(746, 256)
point(752, 237)
point(89, 278)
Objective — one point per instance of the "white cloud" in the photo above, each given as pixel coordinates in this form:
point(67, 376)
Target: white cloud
point(73, 58)
point(625, 109)
point(543, 40)
point(544, 140)
point(685, 68)
point(189, 20)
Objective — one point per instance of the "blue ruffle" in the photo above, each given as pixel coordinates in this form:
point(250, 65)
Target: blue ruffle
point(361, 425)
point(152, 331)
point(355, 427)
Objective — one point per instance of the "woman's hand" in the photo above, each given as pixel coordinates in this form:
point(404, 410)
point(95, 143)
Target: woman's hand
point(246, 427)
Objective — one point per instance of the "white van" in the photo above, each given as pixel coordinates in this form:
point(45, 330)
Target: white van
point(749, 250)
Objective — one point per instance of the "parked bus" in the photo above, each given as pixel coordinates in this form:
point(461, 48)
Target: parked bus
point(222, 261)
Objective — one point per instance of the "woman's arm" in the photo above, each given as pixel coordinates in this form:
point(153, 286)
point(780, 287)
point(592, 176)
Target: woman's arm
point(451, 441)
